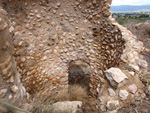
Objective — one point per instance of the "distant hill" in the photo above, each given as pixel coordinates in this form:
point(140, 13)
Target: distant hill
point(130, 8)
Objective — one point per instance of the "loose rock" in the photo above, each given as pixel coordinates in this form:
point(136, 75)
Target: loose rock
point(132, 88)
point(112, 105)
point(111, 92)
point(123, 94)
point(103, 108)
point(116, 77)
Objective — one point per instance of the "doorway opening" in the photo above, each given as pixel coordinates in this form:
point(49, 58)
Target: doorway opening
point(79, 73)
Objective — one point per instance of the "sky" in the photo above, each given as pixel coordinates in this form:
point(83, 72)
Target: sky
point(130, 2)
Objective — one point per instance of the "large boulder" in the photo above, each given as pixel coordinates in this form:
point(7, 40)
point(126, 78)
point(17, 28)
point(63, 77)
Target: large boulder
point(116, 77)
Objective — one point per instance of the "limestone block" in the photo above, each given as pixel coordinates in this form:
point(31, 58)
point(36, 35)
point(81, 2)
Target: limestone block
point(66, 106)
point(132, 88)
point(112, 105)
point(135, 67)
point(116, 77)
point(123, 94)
point(132, 73)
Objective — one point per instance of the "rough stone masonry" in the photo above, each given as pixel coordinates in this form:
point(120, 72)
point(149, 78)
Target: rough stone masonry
point(10, 84)
point(43, 37)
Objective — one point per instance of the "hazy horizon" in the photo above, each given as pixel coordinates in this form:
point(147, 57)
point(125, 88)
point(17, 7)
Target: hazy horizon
point(132, 5)
point(130, 2)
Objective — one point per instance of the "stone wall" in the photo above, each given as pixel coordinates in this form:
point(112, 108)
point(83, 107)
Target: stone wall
point(108, 37)
point(10, 85)
point(48, 35)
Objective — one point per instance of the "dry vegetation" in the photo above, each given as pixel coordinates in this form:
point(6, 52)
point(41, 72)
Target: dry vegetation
point(142, 31)
point(75, 93)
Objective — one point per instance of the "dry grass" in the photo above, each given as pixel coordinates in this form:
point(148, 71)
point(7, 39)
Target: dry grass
point(75, 93)
point(72, 93)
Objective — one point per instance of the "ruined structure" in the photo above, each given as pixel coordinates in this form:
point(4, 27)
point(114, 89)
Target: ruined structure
point(49, 35)
point(48, 45)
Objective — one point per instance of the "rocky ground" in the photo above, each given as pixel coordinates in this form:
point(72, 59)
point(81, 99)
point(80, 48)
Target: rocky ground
point(139, 105)
point(135, 95)
point(142, 33)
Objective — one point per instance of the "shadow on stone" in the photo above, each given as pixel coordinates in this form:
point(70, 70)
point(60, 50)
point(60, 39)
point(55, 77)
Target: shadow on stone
point(79, 73)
